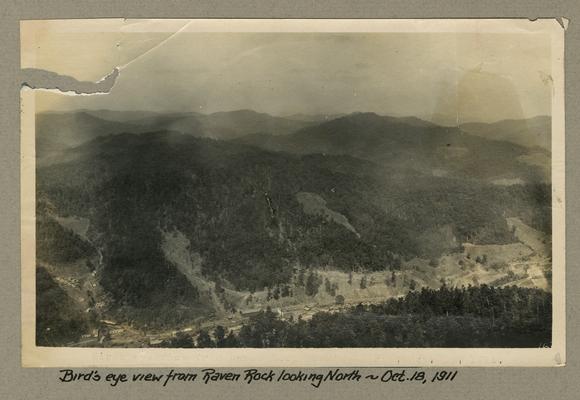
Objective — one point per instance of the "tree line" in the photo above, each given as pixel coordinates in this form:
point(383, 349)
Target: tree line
point(470, 316)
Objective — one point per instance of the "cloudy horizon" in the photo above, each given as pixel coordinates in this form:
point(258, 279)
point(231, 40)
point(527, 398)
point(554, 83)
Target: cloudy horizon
point(448, 78)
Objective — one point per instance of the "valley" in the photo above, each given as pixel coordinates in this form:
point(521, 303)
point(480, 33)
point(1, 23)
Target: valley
point(494, 265)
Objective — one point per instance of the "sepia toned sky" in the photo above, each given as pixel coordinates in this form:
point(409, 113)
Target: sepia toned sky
point(446, 77)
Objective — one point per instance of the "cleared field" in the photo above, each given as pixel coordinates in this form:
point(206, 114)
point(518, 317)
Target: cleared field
point(313, 204)
point(534, 239)
point(78, 225)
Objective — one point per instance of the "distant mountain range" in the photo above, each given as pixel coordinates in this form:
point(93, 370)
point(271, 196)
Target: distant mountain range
point(58, 130)
point(314, 117)
point(532, 132)
point(407, 143)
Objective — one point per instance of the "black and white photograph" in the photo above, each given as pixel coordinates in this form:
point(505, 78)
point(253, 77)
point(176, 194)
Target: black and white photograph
point(364, 187)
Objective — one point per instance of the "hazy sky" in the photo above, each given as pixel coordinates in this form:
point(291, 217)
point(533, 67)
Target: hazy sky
point(440, 76)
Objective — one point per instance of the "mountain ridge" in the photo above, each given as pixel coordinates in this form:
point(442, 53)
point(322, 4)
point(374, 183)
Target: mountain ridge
point(394, 141)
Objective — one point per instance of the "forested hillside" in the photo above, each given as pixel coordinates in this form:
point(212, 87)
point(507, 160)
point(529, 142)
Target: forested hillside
point(59, 318)
point(238, 207)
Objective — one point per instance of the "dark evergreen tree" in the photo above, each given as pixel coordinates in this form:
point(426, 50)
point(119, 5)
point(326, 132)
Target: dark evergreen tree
point(313, 282)
point(204, 340)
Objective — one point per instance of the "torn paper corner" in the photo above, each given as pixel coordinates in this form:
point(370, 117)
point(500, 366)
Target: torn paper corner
point(51, 81)
point(564, 22)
